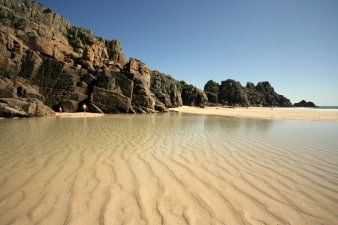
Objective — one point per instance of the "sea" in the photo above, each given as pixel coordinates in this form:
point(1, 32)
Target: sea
point(328, 107)
point(171, 168)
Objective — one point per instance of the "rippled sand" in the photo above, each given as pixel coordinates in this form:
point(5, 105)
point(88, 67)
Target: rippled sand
point(167, 169)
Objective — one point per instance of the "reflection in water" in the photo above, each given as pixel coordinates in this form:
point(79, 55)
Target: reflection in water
point(167, 169)
point(232, 123)
point(262, 125)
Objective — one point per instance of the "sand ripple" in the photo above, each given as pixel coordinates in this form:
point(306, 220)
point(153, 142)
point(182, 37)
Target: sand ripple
point(167, 169)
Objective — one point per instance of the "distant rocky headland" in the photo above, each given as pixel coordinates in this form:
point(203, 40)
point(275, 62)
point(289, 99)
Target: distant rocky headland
point(231, 92)
point(47, 64)
point(304, 103)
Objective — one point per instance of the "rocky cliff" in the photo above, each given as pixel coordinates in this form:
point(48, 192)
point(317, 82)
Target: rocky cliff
point(231, 92)
point(46, 63)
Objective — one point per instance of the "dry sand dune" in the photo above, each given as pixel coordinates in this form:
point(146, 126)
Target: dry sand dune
point(164, 171)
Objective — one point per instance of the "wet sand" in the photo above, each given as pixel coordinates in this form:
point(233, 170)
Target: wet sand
point(78, 115)
point(265, 113)
point(170, 169)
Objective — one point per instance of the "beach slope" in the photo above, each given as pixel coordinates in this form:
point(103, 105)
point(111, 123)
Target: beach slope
point(265, 113)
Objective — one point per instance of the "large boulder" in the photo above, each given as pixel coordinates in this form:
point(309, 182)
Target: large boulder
point(109, 101)
point(7, 89)
point(23, 107)
point(123, 84)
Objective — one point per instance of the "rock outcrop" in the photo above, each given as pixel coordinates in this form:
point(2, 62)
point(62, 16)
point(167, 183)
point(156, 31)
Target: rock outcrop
point(304, 103)
point(45, 60)
point(231, 92)
point(173, 93)
point(211, 89)
point(192, 96)
point(166, 89)
point(23, 107)
point(265, 95)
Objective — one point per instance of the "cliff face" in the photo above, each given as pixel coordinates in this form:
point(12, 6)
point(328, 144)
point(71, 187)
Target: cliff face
point(231, 92)
point(173, 93)
point(166, 89)
point(46, 60)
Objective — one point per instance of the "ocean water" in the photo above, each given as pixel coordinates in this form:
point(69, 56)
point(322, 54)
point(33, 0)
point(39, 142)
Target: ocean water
point(167, 169)
point(328, 107)
point(320, 108)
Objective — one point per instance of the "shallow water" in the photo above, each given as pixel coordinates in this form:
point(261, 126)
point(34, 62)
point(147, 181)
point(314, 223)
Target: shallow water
point(167, 169)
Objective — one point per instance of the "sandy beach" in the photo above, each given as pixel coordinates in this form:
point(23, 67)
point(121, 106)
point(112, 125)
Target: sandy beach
point(78, 115)
point(265, 113)
point(171, 168)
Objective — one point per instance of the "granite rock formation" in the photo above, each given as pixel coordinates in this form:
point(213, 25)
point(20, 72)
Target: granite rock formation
point(304, 103)
point(166, 89)
point(211, 89)
point(173, 93)
point(192, 96)
point(44, 60)
point(231, 92)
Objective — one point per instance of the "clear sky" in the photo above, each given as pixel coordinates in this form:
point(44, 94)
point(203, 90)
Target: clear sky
point(293, 44)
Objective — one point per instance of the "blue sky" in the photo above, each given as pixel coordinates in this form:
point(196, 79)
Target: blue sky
point(291, 43)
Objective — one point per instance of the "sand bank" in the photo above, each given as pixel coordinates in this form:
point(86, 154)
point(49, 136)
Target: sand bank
point(78, 115)
point(265, 113)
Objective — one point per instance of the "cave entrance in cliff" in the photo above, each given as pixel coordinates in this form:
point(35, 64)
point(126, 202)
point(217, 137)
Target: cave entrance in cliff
point(20, 91)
